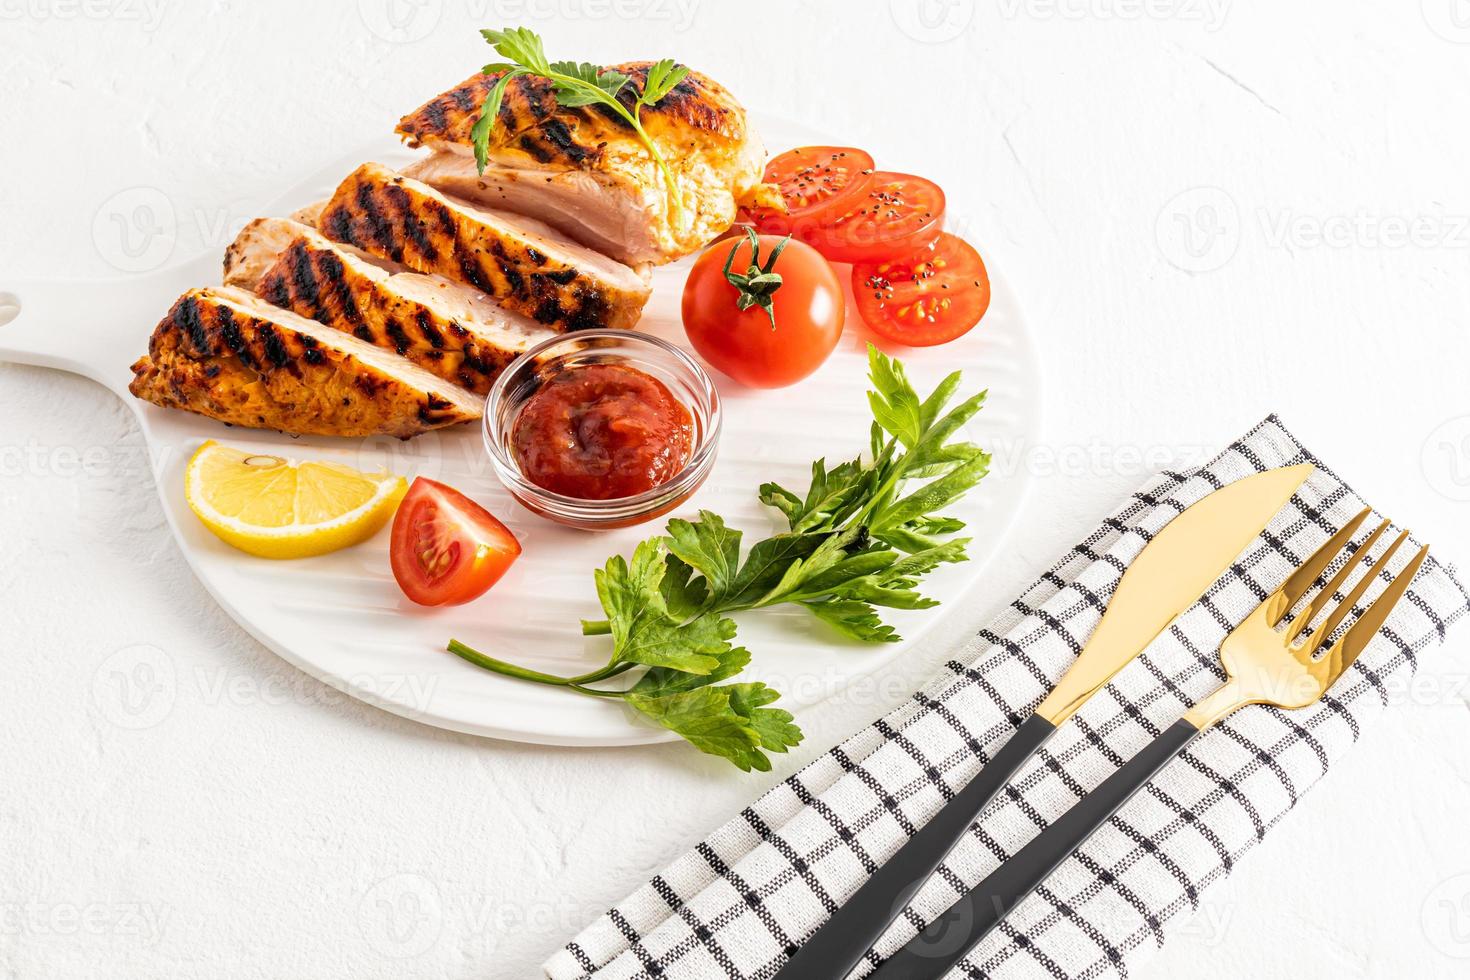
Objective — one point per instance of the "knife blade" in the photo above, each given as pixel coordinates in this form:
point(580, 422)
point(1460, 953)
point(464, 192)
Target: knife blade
point(1172, 571)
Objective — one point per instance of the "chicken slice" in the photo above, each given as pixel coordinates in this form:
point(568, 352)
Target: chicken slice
point(521, 263)
point(584, 169)
point(227, 354)
point(450, 330)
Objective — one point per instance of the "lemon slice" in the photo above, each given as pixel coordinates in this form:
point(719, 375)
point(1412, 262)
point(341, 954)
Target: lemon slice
point(279, 508)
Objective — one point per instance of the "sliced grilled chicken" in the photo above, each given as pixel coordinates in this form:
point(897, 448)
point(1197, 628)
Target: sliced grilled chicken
point(227, 354)
point(584, 170)
point(453, 331)
point(524, 265)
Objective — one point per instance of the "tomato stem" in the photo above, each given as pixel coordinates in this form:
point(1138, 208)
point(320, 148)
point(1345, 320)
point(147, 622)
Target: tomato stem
point(758, 283)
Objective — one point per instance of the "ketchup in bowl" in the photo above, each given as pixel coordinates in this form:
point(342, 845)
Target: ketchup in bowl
point(601, 431)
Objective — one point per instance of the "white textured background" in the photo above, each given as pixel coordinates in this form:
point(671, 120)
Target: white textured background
point(1211, 210)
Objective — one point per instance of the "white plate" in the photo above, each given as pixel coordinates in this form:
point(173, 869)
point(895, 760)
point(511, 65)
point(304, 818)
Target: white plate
point(342, 619)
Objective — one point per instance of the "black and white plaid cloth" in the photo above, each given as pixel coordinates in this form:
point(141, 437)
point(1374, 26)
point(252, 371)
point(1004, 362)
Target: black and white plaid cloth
point(737, 904)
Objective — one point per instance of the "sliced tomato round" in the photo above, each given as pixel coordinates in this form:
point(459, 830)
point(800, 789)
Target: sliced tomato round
point(814, 181)
point(446, 548)
point(895, 215)
point(925, 298)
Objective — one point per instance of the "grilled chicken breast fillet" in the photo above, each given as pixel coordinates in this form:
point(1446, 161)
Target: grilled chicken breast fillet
point(450, 330)
point(521, 263)
point(227, 354)
point(584, 169)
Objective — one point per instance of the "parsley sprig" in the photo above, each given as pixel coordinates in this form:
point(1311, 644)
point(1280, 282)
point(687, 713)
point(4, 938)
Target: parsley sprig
point(862, 537)
point(575, 84)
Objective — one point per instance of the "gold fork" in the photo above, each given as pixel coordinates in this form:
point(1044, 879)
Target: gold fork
point(1264, 664)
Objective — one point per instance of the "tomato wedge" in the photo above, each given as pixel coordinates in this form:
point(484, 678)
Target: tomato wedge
point(928, 297)
point(814, 181)
point(446, 548)
point(896, 214)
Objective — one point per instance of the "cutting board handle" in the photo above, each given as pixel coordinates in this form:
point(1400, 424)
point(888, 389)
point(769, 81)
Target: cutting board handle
point(95, 329)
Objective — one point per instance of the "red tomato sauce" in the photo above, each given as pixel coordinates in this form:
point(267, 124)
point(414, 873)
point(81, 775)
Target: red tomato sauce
point(601, 431)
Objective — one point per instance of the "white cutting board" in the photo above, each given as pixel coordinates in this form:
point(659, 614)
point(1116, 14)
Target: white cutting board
point(341, 618)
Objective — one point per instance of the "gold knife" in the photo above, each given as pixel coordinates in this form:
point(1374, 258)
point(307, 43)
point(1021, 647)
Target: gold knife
point(1169, 575)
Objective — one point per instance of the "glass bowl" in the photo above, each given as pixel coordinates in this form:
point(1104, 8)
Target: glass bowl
point(678, 372)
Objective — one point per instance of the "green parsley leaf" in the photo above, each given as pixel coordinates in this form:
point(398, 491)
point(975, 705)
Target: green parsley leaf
point(862, 537)
point(663, 76)
point(575, 84)
point(642, 629)
point(489, 112)
point(705, 718)
point(520, 46)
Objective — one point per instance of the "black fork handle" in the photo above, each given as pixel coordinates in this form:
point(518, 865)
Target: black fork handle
point(839, 944)
point(933, 952)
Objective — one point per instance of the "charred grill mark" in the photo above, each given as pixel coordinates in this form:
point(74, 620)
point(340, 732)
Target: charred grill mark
point(275, 349)
point(363, 333)
point(592, 311)
point(233, 338)
point(561, 277)
point(402, 343)
point(472, 271)
point(331, 268)
point(304, 287)
point(432, 114)
point(433, 409)
point(556, 133)
point(411, 225)
point(464, 98)
point(426, 327)
point(377, 227)
point(312, 355)
point(610, 114)
point(192, 323)
point(514, 281)
point(548, 311)
point(533, 146)
point(273, 287)
point(338, 224)
point(535, 256)
point(369, 384)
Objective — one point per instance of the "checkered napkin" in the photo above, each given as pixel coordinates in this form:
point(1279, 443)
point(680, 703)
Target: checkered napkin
point(738, 904)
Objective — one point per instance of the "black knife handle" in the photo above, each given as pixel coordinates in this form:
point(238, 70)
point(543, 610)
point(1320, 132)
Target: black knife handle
point(839, 944)
point(949, 938)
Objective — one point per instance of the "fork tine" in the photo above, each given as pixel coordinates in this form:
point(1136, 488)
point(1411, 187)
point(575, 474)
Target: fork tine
point(1320, 600)
point(1301, 580)
point(1347, 604)
point(1368, 624)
